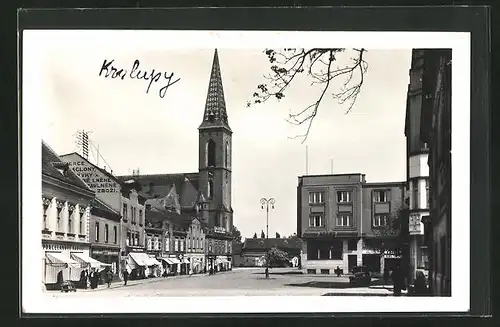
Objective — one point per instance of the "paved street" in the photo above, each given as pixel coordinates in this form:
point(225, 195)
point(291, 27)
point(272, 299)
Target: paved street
point(239, 282)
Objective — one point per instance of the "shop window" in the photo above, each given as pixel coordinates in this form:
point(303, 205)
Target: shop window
point(325, 271)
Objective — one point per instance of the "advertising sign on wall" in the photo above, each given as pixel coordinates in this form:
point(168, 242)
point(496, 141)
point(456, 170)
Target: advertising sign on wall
point(98, 181)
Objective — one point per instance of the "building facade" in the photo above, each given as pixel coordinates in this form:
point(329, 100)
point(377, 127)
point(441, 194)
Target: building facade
point(105, 235)
point(417, 153)
point(253, 250)
point(436, 132)
point(206, 194)
point(65, 206)
point(340, 218)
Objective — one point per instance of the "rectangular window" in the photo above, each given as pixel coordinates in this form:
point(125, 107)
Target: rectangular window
point(97, 231)
point(344, 196)
point(140, 217)
point(129, 238)
point(167, 244)
point(115, 232)
point(380, 196)
point(59, 210)
point(182, 245)
point(149, 246)
point(316, 197)
point(344, 220)
point(125, 212)
point(70, 221)
point(176, 244)
point(80, 227)
point(106, 233)
point(380, 220)
point(316, 221)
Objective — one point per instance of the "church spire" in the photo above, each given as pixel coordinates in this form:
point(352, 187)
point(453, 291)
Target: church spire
point(215, 114)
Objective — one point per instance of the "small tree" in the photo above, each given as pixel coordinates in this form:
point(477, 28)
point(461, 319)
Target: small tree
point(262, 235)
point(236, 234)
point(278, 235)
point(254, 235)
point(276, 257)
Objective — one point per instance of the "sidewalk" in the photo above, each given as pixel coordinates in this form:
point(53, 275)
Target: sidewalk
point(130, 283)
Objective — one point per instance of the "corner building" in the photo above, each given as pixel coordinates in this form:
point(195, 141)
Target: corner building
point(338, 219)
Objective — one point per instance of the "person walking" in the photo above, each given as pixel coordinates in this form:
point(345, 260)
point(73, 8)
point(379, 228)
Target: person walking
point(420, 288)
point(125, 277)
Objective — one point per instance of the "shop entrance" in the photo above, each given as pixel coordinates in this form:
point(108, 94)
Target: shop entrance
point(352, 261)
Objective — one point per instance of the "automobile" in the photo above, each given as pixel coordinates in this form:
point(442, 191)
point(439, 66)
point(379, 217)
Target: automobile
point(360, 276)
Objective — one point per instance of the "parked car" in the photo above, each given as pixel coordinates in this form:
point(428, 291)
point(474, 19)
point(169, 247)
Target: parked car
point(360, 276)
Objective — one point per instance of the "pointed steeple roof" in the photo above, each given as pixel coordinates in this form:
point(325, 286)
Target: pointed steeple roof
point(215, 114)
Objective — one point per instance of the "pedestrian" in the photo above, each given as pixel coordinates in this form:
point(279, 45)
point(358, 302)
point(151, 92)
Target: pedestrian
point(109, 277)
point(398, 280)
point(125, 277)
point(386, 276)
point(337, 271)
point(83, 278)
point(420, 288)
point(92, 278)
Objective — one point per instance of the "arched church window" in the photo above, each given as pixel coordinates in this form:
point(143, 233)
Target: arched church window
point(211, 153)
point(226, 158)
point(210, 191)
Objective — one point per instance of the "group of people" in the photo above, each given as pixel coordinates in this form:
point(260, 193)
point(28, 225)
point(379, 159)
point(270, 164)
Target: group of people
point(93, 278)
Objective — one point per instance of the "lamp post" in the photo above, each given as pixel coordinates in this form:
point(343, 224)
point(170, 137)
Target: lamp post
point(267, 202)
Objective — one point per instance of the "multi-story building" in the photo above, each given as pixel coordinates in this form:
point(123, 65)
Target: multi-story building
point(417, 152)
point(124, 197)
point(105, 234)
point(196, 246)
point(66, 202)
point(340, 219)
point(436, 132)
point(205, 194)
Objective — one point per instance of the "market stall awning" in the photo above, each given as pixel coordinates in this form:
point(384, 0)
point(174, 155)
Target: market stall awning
point(83, 258)
point(57, 258)
point(167, 260)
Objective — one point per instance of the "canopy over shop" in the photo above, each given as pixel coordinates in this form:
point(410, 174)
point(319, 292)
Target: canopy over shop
point(142, 264)
point(88, 262)
point(59, 267)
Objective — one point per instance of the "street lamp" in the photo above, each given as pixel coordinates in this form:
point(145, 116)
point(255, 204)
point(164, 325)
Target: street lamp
point(267, 202)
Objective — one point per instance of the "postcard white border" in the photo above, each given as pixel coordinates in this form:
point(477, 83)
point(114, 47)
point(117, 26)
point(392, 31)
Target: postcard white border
point(34, 300)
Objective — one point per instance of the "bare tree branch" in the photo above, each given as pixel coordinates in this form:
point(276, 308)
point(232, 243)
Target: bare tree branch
point(319, 65)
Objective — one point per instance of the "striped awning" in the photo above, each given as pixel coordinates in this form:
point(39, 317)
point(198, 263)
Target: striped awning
point(57, 259)
point(83, 258)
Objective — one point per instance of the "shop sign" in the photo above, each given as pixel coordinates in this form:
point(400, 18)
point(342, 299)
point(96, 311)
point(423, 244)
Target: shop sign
point(130, 249)
point(106, 252)
point(415, 225)
point(62, 247)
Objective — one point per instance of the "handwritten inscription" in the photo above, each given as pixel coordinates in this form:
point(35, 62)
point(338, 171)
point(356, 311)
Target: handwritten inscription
point(108, 70)
point(94, 178)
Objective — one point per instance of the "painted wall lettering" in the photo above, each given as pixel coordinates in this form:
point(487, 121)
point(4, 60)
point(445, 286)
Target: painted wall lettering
point(94, 178)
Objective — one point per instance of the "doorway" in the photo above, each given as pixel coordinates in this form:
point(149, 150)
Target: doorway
point(352, 261)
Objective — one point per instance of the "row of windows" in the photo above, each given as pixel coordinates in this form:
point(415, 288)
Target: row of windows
point(379, 196)
point(106, 233)
point(133, 212)
point(59, 224)
point(133, 238)
point(346, 220)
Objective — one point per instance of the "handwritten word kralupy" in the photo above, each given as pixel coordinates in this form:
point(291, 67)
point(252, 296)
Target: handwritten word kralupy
point(153, 76)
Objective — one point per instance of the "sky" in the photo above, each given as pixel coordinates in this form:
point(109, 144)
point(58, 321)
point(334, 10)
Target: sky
point(138, 129)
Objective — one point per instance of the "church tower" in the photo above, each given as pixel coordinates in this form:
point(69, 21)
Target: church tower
point(215, 146)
